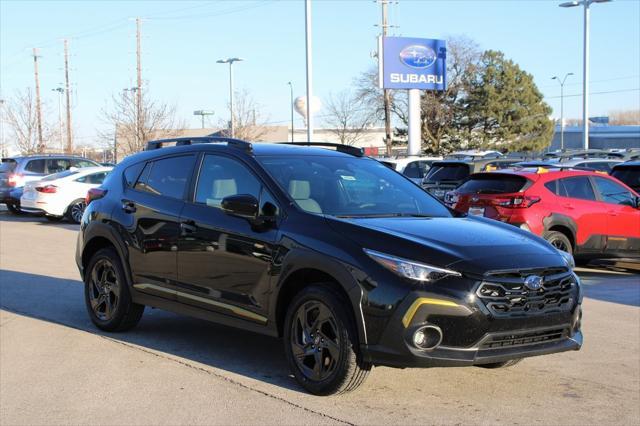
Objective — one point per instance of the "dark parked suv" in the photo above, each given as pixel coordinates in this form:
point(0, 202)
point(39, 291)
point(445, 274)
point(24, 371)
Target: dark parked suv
point(347, 260)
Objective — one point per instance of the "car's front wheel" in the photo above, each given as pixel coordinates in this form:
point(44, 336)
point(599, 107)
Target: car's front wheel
point(321, 343)
point(107, 296)
point(75, 211)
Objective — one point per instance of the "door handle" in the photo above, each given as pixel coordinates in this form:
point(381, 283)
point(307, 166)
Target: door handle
point(188, 227)
point(569, 206)
point(128, 206)
point(612, 213)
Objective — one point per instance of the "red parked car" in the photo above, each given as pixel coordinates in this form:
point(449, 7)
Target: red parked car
point(588, 214)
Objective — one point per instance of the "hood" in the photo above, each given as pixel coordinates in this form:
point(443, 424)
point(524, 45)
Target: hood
point(466, 244)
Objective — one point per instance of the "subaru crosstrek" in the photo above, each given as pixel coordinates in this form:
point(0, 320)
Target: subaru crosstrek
point(348, 261)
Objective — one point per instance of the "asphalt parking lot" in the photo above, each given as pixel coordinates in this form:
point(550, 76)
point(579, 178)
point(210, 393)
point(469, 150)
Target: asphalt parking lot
point(56, 368)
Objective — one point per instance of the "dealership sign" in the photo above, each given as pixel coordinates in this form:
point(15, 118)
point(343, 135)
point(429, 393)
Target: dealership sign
point(413, 63)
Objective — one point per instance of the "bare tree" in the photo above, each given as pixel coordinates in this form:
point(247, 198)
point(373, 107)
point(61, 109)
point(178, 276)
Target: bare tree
point(23, 122)
point(348, 117)
point(625, 117)
point(157, 119)
point(249, 122)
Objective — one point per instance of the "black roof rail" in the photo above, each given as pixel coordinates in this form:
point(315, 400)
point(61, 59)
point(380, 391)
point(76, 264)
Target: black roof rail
point(346, 149)
point(231, 142)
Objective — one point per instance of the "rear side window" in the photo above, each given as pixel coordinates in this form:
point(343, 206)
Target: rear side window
point(8, 165)
point(493, 184)
point(167, 177)
point(82, 163)
point(131, 174)
point(60, 175)
point(35, 166)
point(444, 172)
point(55, 165)
point(576, 187)
point(417, 169)
point(603, 166)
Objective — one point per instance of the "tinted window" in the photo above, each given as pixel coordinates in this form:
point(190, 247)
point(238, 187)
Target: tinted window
point(603, 166)
point(552, 186)
point(221, 177)
point(611, 192)
point(168, 176)
point(493, 184)
point(444, 172)
point(630, 176)
point(94, 178)
point(55, 165)
point(349, 186)
point(417, 169)
point(576, 187)
point(35, 166)
point(131, 174)
point(8, 165)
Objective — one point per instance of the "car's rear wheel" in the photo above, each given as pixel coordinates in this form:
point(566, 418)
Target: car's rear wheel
point(321, 343)
point(76, 210)
point(558, 240)
point(107, 296)
point(503, 364)
point(14, 208)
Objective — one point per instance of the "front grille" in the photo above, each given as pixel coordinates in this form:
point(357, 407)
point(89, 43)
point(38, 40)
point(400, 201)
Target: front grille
point(509, 297)
point(525, 339)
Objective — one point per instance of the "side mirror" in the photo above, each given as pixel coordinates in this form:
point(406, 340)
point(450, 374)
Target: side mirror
point(241, 205)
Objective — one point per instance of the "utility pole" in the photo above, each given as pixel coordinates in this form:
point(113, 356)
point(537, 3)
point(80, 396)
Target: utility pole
point(2, 149)
point(139, 85)
point(38, 106)
point(67, 89)
point(385, 92)
point(60, 91)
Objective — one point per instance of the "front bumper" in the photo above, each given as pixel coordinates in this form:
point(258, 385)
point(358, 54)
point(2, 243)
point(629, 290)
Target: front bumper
point(471, 333)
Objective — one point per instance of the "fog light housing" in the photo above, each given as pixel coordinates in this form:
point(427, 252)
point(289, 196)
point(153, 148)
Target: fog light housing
point(427, 337)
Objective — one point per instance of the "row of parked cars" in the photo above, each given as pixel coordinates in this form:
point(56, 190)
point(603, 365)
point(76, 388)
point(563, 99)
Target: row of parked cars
point(51, 185)
point(582, 202)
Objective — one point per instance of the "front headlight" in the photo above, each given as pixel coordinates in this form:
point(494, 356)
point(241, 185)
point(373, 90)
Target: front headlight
point(568, 258)
point(410, 269)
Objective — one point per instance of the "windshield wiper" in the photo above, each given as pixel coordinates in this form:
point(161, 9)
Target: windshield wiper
point(382, 215)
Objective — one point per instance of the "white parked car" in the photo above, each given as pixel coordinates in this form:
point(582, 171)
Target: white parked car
point(415, 168)
point(62, 194)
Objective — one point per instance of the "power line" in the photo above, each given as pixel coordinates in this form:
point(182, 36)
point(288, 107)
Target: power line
point(596, 81)
point(596, 93)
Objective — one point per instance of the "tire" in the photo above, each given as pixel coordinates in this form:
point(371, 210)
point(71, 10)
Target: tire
point(558, 240)
point(75, 210)
point(54, 218)
point(503, 364)
point(15, 209)
point(338, 366)
point(106, 293)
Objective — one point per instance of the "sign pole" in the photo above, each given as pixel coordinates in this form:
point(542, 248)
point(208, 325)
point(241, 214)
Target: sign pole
point(415, 128)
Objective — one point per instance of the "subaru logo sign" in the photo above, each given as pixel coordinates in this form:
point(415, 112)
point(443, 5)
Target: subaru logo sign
point(533, 282)
point(418, 56)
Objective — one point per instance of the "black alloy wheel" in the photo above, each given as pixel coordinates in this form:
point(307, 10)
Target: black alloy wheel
point(104, 290)
point(321, 341)
point(107, 295)
point(314, 340)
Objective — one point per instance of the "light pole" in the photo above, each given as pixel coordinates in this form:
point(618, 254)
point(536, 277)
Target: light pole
point(309, 67)
point(2, 149)
point(230, 61)
point(202, 113)
point(291, 104)
point(60, 91)
point(562, 106)
point(585, 65)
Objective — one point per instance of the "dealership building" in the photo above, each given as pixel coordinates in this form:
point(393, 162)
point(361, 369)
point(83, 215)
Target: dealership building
point(600, 137)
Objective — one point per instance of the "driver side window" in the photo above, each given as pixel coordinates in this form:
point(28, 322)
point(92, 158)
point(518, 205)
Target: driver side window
point(613, 193)
point(221, 177)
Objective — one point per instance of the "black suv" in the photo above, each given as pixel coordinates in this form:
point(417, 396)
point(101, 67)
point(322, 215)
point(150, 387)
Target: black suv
point(347, 260)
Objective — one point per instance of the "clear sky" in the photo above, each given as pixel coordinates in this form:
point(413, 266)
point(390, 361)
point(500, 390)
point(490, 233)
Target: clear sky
point(183, 39)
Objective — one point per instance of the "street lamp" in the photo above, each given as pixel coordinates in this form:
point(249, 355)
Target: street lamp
point(291, 103)
point(230, 61)
point(202, 113)
point(60, 91)
point(562, 107)
point(585, 65)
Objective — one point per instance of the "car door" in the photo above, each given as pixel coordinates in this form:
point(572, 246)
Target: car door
point(579, 202)
point(149, 214)
point(224, 261)
point(623, 218)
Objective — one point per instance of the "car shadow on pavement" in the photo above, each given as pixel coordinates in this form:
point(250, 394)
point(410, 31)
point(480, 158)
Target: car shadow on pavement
point(61, 301)
point(39, 219)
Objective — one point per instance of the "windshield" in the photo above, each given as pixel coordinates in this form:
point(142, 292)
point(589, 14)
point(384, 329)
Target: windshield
point(443, 172)
point(7, 165)
point(60, 175)
point(493, 184)
point(350, 187)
